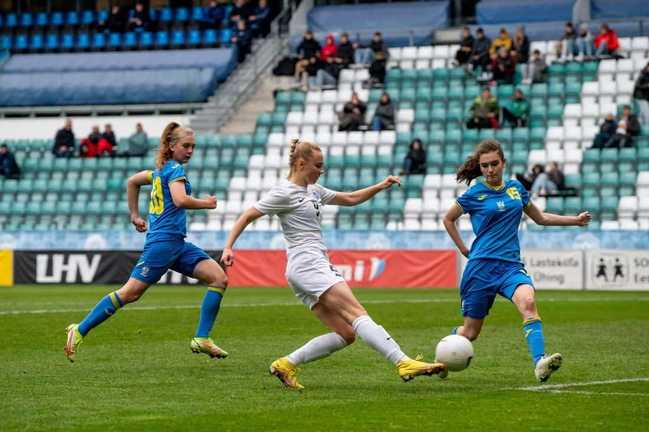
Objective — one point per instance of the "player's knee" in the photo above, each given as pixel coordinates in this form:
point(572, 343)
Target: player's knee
point(218, 281)
point(528, 305)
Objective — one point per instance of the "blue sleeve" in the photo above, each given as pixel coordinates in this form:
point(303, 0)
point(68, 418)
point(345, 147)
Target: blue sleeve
point(467, 201)
point(177, 172)
point(525, 195)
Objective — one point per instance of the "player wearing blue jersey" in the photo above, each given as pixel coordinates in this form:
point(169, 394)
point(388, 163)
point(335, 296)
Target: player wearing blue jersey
point(495, 267)
point(165, 246)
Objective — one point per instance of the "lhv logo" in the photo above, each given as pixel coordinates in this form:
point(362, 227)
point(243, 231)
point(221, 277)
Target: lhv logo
point(361, 270)
point(69, 268)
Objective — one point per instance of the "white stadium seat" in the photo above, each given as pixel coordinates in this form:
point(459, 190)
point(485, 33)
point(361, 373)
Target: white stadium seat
point(422, 64)
point(425, 52)
point(572, 111)
point(627, 207)
point(640, 44)
point(394, 53)
point(590, 88)
point(346, 76)
point(441, 52)
point(405, 115)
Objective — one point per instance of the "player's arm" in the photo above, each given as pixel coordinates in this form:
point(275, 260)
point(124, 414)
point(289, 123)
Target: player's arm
point(133, 185)
point(182, 200)
point(359, 196)
point(452, 215)
point(245, 219)
point(543, 218)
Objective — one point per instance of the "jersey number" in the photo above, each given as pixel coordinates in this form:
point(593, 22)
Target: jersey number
point(157, 203)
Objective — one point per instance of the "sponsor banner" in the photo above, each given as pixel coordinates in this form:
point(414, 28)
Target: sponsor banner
point(626, 270)
point(6, 268)
point(554, 269)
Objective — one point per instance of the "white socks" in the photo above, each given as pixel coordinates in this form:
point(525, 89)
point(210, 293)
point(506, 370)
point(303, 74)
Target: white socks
point(317, 348)
point(376, 337)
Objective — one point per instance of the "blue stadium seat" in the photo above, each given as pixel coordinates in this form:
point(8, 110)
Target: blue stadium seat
point(56, 19)
point(11, 20)
point(146, 40)
point(2, 21)
point(178, 39)
point(72, 18)
point(226, 36)
point(42, 19)
point(130, 41)
point(209, 37)
point(153, 15)
point(52, 42)
point(26, 19)
point(161, 39)
point(36, 42)
point(102, 15)
point(197, 13)
point(5, 42)
point(166, 15)
point(194, 38)
point(83, 42)
point(87, 17)
point(115, 41)
point(182, 15)
point(67, 41)
point(98, 41)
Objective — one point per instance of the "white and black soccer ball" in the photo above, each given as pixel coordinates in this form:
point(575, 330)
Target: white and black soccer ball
point(455, 352)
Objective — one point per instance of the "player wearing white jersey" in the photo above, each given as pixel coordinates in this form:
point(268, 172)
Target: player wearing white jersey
point(298, 202)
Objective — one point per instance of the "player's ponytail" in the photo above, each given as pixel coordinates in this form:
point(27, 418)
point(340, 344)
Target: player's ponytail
point(300, 150)
point(470, 169)
point(170, 135)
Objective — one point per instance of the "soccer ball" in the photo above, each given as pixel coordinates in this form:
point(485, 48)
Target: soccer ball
point(455, 352)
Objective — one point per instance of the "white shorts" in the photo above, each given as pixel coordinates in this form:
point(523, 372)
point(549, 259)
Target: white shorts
point(310, 274)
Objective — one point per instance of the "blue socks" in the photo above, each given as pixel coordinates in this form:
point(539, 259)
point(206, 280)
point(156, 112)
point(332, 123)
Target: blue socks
point(209, 311)
point(533, 330)
point(103, 310)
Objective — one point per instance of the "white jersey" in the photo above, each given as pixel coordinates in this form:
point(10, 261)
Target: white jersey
point(299, 210)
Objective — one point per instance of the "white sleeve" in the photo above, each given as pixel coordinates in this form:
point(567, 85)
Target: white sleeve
point(274, 202)
point(326, 195)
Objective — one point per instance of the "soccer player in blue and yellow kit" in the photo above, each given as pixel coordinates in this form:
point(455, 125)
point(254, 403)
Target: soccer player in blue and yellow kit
point(495, 267)
point(165, 246)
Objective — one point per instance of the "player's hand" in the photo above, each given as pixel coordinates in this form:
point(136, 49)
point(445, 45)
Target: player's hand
point(227, 257)
point(584, 218)
point(139, 223)
point(389, 181)
point(210, 202)
point(465, 252)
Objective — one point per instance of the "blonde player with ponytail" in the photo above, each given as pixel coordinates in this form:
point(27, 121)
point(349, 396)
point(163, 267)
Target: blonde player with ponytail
point(298, 202)
point(165, 246)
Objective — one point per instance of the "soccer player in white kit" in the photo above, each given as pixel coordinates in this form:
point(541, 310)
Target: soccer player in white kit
point(298, 201)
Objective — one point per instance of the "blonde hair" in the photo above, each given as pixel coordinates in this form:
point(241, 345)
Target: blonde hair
point(171, 134)
point(300, 150)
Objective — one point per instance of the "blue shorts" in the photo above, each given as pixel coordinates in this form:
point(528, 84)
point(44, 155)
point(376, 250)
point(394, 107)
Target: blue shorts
point(160, 256)
point(483, 279)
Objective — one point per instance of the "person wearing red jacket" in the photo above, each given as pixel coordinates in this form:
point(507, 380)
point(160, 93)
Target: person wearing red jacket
point(606, 42)
point(329, 49)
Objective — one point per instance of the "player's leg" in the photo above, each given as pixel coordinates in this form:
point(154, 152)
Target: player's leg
point(211, 274)
point(340, 298)
point(470, 329)
point(104, 309)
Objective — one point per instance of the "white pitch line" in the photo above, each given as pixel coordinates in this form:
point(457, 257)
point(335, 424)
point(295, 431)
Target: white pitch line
point(591, 393)
point(246, 305)
point(551, 387)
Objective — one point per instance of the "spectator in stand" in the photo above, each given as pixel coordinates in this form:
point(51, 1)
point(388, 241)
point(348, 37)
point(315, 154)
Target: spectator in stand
point(308, 52)
point(213, 16)
point(64, 144)
point(9, 168)
point(627, 127)
point(522, 45)
point(567, 45)
point(518, 110)
point(537, 69)
point(584, 42)
point(384, 114)
point(115, 22)
point(463, 55)
point(345, 50)
point(330, 65)
point(503, 66)
point(480, 54)
point(365, 56)
point(503, 40)
point(641, 94)
point(353, 115)
point(527, 178)
point(241, 10)
point(378, 70)
point(329, 49)
point(415, 161)
point(550, 182)
point(484, 111)
point(242, 38)
point(606, 42)
point(109, 136)
point(260, 19)
point(606, 132)
point(138, 143)
point(95, 145)
point(138, 18)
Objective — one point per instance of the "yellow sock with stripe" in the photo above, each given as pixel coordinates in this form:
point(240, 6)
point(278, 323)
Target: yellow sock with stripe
point(209, 310)
point(103, 310)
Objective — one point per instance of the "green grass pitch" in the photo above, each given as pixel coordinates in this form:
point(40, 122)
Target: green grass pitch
point(136, 372)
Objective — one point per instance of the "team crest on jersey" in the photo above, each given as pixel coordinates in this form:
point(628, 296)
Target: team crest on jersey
point(482, 197)
point(501, 205)
point(513, 193)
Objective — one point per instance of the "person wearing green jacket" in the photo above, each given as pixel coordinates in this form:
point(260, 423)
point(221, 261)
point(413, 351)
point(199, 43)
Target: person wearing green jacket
point(484, 111)
point(518, 110)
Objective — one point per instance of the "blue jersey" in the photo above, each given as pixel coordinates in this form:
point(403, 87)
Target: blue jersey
point(166, 221)
point(495, 216)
